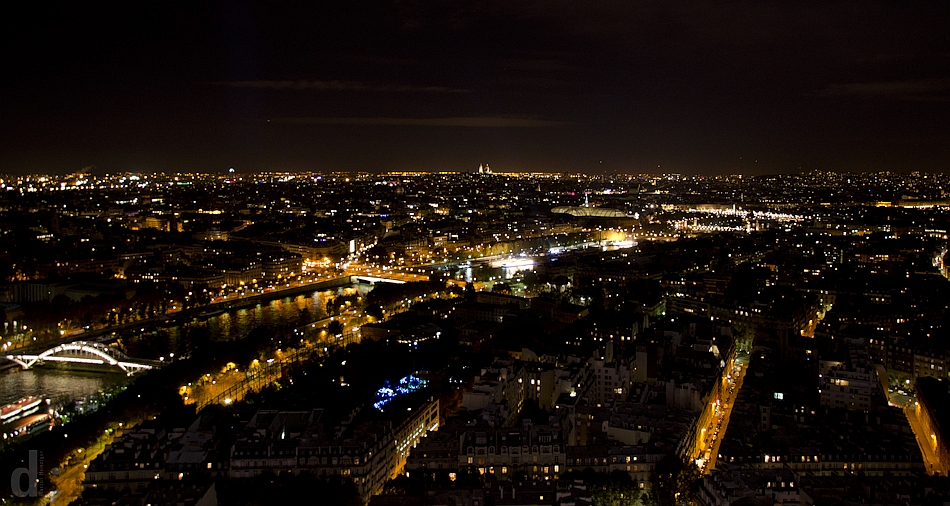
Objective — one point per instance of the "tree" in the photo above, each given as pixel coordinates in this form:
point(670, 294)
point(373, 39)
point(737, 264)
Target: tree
point(614, 489)
point(672, 482)
point(335, 328)
point(375, 310)
point(501, 288)
point(617, 490)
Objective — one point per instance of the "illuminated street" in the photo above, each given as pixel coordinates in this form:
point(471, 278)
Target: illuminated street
point(924, 441)
point(716, 414)
point(68, 483)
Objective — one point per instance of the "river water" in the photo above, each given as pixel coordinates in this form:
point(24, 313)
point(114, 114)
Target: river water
point(64, 386)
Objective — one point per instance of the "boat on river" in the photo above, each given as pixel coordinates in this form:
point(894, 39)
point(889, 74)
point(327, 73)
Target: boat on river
point(28, 425)
point(16, 410)
point(28, 415)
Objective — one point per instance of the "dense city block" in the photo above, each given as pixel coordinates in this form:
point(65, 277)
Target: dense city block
point(475, 338)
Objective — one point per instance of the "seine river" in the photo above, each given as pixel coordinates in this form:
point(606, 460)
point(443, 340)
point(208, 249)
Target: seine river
point(64, 386)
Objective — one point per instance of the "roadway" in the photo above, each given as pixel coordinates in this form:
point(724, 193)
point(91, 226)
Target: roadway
point(931, 461)
point(67, 485)
point(714, 420)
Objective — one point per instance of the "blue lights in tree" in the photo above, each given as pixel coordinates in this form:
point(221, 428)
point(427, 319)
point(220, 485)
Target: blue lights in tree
point(405, 386)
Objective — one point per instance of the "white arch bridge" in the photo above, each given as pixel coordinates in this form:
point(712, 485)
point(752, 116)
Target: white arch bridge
point(85, 352)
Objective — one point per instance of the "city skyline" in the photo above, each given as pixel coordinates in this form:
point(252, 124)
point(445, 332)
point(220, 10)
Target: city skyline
point(379, 338)
point(752, 88)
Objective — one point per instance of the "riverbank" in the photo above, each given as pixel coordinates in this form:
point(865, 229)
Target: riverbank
point(181, 316)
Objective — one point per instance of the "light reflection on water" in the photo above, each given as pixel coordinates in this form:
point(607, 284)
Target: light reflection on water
point(485, 273)
point(285, 313)
point(54, 384)
point(288, 312)
point(65, 385)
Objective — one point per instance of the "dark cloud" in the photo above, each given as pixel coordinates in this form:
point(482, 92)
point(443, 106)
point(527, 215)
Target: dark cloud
point(337, 86)
point(470, 122)
point(540, 64)
point(918, 90)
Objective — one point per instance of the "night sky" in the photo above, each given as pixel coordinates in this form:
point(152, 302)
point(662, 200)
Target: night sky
point(745, 86)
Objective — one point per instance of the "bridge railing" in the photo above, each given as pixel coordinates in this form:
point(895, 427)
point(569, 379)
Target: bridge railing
point(80, 352)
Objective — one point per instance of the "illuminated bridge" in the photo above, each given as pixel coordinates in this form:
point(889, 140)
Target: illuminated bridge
point(86, 353)
point(373, 279)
